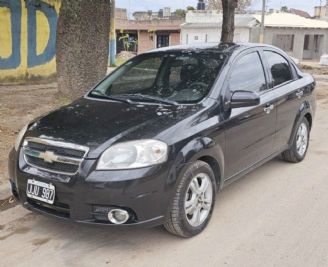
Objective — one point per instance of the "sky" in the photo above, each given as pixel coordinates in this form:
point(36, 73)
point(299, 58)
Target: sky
point(134, 5)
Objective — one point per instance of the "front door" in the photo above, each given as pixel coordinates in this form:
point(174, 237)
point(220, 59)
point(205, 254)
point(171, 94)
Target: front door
point(163, 40)
point(249, 131)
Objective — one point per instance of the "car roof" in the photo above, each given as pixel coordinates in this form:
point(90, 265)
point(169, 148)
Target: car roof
point(215, 47)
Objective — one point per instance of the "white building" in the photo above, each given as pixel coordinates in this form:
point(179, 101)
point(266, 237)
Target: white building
point(205, 26)
point(300, 37)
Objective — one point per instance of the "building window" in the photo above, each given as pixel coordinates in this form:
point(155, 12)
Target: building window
point(306, 42)
point(317, 40)
point(196, 38)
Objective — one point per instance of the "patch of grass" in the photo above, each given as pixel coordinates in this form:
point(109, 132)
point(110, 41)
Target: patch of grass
point(119, 62)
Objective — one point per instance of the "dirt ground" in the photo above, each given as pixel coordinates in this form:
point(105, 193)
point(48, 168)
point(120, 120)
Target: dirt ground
point(19, 105)
point(275, 216)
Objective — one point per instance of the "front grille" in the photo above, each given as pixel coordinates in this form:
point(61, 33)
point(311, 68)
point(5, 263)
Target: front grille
point(53, 156)
point(55, 166)
point(58, 150)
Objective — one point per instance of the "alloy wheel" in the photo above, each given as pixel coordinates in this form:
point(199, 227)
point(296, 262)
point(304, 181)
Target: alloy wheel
point(198, 200)
point(302, 139)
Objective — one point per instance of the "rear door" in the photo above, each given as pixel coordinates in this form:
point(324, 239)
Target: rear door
point(290, 95)
point(249, 131)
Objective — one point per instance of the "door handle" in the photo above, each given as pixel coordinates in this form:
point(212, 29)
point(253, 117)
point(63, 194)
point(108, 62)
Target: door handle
point(268, 109)
point(299, 94)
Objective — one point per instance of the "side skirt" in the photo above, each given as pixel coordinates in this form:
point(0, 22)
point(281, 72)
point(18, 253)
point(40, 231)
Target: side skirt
point(242, 173)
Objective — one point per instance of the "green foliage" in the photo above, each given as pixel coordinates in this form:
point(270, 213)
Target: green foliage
point(180, 12)
point(183, 12)
point(217, 5)
point(284, 9)
point(126, 41)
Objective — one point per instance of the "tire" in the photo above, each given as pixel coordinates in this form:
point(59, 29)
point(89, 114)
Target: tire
point(190, 194)
point(297, 152)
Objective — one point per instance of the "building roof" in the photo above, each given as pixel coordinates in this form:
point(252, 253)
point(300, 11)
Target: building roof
point(288, 20)
point(299, 12)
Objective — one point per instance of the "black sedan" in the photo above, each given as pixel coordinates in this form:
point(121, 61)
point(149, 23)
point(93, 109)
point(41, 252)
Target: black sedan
point(154, 142)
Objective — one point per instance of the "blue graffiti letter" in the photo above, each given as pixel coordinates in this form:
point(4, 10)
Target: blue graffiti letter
point(14, 60)
point(49, 52)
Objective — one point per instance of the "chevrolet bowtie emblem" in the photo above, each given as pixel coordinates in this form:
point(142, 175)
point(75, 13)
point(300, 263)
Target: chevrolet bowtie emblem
point(48, 156)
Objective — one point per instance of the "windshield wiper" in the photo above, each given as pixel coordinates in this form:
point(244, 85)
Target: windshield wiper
point(102, 95)
point(152, 98)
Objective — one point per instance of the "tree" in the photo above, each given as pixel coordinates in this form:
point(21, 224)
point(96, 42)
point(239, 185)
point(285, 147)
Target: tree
point(183, 12)
point(228, 22)
point(180, 12)
point(217, 5)
point(82, 45)
point(284, 9)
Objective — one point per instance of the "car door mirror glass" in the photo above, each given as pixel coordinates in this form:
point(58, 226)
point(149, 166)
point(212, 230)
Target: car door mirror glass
point(244, 99)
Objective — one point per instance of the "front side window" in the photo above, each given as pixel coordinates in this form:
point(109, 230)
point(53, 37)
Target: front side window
point(182, 77)
point(247, 74)
point(279, 68)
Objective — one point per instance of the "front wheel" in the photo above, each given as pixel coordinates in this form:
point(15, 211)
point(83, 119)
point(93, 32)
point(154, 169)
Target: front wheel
point(297, 151)
point(193, 202)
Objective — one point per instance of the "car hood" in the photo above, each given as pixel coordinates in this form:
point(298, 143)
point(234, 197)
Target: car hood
point(97, 124)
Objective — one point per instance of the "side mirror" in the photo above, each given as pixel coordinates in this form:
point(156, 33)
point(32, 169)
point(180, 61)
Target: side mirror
point(240, 99)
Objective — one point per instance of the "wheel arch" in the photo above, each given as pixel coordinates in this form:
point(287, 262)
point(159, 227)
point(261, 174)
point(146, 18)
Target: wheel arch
point(304, 111)
point(214, 164)
point(309, 118)
point(204, 149)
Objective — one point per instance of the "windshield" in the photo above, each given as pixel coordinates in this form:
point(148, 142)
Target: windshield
point(170, 77)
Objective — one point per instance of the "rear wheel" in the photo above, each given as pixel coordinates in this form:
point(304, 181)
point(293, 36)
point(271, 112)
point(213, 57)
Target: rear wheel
point(297, 151)
point(193, 202)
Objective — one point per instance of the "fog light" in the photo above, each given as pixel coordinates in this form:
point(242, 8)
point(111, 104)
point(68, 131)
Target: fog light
point(118, 216)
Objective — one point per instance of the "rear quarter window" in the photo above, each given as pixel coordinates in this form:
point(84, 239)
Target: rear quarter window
point(279, 68)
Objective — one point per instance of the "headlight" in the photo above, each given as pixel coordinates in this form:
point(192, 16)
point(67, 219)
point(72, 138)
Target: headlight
point(20, 137)
point(133, 154)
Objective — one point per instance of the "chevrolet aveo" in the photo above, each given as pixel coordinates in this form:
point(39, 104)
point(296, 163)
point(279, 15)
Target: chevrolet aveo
point(154, 142)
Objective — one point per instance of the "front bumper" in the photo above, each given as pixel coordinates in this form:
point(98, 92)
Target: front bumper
point(88, 196)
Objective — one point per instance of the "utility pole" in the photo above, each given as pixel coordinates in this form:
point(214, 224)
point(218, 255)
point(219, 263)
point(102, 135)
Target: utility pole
point(112, 35)
point(262, 22)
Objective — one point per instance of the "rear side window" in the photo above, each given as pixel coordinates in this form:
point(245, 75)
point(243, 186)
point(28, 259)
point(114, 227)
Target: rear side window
point(247, 74)
point(279, 68)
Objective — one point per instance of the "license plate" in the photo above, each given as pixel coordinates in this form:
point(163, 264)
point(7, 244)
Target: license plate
point(40, 191)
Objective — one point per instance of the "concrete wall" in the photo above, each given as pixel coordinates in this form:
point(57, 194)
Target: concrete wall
point(27, 39)
point(175, 38)
point(146, 41)
point(207, 16)
point(205, 26)
point(202, 35)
